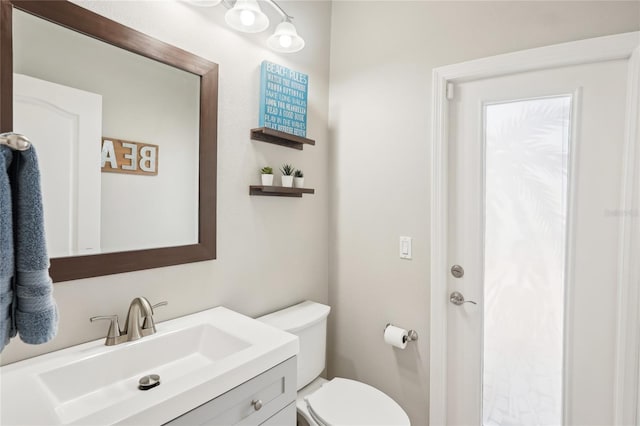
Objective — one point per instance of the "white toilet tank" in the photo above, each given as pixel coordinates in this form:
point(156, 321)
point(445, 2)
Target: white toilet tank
point(308, 321)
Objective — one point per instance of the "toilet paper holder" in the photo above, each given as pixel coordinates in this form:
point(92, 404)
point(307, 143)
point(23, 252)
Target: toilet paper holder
point(412, 335)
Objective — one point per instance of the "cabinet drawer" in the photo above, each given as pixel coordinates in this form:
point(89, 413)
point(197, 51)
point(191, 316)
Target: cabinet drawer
point(274, 389)
point(284, 417)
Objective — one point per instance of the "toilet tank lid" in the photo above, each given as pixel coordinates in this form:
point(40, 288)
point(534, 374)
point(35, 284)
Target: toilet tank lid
point(298, 316)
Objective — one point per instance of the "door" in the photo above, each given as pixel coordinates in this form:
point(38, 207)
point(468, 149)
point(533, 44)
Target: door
point(535, 172)
point(65, 126)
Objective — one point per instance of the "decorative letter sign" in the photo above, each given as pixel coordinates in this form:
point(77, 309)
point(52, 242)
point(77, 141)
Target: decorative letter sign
point(283, 99)
point(129, 157)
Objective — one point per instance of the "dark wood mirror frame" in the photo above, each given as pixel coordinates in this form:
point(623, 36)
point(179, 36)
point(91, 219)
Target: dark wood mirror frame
point(81, 20)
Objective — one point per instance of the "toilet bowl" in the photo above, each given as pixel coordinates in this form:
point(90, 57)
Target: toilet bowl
point(348, 402)
point(339, 401)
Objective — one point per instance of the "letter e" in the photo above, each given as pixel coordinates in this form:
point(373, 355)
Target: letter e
point(132, 156)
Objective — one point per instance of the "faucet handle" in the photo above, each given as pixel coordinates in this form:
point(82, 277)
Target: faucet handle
point(157, 305)
point(114, 327)
point(148, 322)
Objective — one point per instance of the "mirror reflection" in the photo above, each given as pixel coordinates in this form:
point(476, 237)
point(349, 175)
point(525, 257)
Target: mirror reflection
point(117, 139)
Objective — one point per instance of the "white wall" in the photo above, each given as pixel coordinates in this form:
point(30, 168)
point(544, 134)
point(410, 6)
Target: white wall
point(272, 252)
point(382, 55)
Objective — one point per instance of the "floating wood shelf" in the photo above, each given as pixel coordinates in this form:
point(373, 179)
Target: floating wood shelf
point(279, 191)
point(264, 134)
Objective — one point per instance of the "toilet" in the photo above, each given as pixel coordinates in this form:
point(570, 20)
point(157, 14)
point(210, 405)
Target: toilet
point(339, 401)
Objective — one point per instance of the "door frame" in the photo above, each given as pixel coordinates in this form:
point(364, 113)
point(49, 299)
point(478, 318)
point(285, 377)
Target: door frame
point(614, 47)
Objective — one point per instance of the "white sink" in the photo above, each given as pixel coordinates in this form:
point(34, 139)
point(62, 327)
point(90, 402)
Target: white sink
point(198, 357)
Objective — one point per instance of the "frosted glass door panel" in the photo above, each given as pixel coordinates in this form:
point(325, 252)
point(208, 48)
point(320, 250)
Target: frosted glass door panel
point(527, 144)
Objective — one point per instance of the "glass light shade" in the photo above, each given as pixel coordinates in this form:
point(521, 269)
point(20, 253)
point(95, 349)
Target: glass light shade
point(285, 39)
point(246, 16)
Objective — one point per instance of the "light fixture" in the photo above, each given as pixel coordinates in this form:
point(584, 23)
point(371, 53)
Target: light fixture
point(285, 38)
point(246, 16)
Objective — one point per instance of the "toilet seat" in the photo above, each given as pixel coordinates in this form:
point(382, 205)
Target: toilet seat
point(342, 402)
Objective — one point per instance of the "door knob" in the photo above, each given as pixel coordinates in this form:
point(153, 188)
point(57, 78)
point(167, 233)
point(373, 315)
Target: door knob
point(458, 299)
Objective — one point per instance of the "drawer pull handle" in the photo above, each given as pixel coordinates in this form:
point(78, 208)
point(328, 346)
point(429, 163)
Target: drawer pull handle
point(257, 404)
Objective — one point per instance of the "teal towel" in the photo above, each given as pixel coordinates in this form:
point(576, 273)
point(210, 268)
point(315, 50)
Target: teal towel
point(33, 313)
point(7, 266)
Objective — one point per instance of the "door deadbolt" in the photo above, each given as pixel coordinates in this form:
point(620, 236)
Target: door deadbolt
point(457, 271)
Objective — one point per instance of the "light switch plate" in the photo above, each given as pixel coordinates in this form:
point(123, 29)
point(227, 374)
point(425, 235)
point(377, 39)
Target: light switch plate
point(405, 247)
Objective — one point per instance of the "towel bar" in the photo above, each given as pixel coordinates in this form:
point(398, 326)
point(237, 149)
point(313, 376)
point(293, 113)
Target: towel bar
point(15, 141)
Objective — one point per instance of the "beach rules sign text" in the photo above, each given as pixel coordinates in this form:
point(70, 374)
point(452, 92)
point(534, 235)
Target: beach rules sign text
point(283, 99)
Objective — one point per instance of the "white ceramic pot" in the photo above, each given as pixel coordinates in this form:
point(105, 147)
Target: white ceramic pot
point(298, 182)
point(267, 180)
point(287, 181)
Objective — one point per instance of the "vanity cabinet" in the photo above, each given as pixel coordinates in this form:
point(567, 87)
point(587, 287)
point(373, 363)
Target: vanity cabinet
point(267, 399)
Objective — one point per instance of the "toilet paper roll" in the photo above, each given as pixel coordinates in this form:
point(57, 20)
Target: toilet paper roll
point(396, 336)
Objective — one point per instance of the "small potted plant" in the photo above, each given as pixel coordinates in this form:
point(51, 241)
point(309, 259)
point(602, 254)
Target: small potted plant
point(298, 179)
point(287, 175)
point(266, 173)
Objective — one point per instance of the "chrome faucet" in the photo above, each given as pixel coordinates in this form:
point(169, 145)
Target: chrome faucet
point(139, 322)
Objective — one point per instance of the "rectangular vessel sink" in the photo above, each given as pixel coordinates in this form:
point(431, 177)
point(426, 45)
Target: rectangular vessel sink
point(98, 382)
point(198, 357)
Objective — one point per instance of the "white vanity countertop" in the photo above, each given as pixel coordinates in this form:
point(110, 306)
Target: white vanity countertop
point(198, 357)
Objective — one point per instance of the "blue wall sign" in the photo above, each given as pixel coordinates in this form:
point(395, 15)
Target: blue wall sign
point(283, 99)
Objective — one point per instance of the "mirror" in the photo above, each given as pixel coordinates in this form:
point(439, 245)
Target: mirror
point(69, 92)
point(129, 144)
